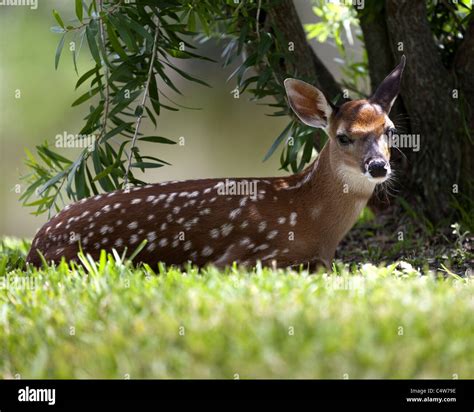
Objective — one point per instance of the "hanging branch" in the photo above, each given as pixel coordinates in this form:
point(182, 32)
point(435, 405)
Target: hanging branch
point(142, 104)
point(257, 19)
point(106, 76)
point(120, 36)
point(265, 57)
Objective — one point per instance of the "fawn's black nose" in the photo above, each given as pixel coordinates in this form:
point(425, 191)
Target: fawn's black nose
point(377, 168)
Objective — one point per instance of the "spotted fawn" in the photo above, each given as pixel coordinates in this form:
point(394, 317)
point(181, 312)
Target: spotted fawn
point(287, 221)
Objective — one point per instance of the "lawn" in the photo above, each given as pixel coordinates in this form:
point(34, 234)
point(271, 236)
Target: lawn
point(111, 320)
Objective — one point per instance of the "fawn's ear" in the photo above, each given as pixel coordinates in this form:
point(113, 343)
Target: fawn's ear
point(308, 103)
point(388, 90)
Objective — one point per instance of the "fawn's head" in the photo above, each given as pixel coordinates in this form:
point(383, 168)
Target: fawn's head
point(359, 129)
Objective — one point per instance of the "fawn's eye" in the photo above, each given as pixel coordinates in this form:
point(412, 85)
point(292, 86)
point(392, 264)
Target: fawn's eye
point(344, 140)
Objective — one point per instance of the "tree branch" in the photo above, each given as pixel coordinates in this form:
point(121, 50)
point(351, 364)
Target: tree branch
point(306, 64)
point(106, 76)
point(142, 104)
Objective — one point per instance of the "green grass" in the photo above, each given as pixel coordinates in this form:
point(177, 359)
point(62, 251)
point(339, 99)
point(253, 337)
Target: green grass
point(111, 320)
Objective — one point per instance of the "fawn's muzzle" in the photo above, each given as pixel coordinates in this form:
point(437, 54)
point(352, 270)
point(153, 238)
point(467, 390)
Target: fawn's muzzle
point(377, 168)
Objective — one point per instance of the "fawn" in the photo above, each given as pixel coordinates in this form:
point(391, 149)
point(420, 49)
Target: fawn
point(299, 219)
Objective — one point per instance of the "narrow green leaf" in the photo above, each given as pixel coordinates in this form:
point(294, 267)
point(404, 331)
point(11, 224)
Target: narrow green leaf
point(185, 75)
point(151, 116)
point(79, 10)
point(86, 75)
point(146, 165)
point(95, 191)
point(93, 45)
point(192, 21)
point(264, 45)
point(41, 201)
point(104, 182)
point(53, 155)
point(204, 24)
point(74, 60)
point(154, 95)
point(156, 159)
point(115, 132)
point(86, 96)
point(277, 141)
point(137, 28)
point(58, 18)
point(164, 106)
point(58, 51)
point(124, 33)
point(156, 105)
point(80, 182)
point(51, 182)
point(104, 172)
point(92, 6)
point(157, 139)
point(114, 41)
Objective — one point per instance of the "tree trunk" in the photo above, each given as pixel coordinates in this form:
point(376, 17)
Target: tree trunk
point(464, 69)
point(306, 64)
point(427, 91)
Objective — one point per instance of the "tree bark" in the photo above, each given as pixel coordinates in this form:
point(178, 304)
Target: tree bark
point(305, 64)
point(374, 30)
point(464, 69)
point(380, 58)
point(427, 91)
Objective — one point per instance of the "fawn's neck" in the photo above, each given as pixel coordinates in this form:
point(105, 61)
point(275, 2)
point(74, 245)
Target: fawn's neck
point(332, 177)
point(333, 197)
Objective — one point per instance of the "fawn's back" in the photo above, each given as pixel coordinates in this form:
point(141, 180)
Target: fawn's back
point(202, 221)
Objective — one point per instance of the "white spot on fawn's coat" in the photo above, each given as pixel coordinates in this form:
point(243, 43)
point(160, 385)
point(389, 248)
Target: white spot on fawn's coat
point(207, 251)
point(234, 213)
point(272, 234)
point(226, 228)
point(132, 225)
point(293, 216)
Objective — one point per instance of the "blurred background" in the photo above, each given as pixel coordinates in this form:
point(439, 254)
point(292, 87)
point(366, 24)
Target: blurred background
point(227, 137)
